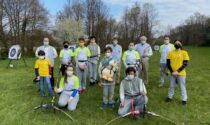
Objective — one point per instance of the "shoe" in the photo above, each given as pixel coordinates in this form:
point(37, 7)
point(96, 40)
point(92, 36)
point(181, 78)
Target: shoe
point(184, 103)
point(111, 105)
point(103, 106)
point(161, 85)
point(168, 100)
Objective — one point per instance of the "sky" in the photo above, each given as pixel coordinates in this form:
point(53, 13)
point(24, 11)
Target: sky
point(170, 12)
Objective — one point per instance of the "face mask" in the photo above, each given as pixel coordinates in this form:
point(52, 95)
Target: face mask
point(46, 43)
point(107, 54)
point(69, 73)
point(166, 41)
point(66, 46)
point(41, 57)
point(130, 77)
point(177, 46)
point(143, 42)
point(115, 42)
point(131, 48)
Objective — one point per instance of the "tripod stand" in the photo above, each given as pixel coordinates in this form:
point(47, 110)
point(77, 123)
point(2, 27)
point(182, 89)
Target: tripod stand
point(51, 106)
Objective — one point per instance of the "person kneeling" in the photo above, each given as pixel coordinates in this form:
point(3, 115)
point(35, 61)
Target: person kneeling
point(68, 87)
point(132, 93)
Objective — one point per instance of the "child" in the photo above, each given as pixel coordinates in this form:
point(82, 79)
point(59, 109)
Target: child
point(107, 71)
point(93, 61)
point(43, 72)
point(82, 54)
point(66, 56)
point(68, 88)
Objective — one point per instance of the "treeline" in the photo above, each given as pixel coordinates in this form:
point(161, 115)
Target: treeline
point(194, 31)
point(91, 17)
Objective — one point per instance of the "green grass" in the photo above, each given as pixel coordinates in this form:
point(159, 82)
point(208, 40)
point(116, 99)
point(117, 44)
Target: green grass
point(18, 94)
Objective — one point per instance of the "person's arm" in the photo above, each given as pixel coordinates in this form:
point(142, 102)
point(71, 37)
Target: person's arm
point(88, 52)
point(55, 53)
point(76, 55)
point(99, 69)
point(120, 54)
point(122, 93)
point(150, 52)
point(36, 53)
point(169, 65)
point(60, 86)
point(36, 68)
point(99, 51)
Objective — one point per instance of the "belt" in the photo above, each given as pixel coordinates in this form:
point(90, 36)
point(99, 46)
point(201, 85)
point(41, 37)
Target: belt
point(82, 60)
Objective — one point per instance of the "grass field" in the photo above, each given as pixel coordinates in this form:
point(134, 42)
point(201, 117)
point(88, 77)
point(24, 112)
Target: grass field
point(18, 94)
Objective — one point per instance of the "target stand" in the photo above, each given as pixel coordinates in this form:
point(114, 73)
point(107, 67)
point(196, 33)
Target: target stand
point(15, 54)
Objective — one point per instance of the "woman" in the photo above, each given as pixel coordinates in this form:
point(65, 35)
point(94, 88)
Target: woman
point(68, 87)
point(132, 93)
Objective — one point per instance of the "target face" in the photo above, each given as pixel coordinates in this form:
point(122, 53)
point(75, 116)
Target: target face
point(13, 52)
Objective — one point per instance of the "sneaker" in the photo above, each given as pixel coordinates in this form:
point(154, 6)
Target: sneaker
point(168, 100)
point(103, 106)
point(111, 105)
point(184, 103)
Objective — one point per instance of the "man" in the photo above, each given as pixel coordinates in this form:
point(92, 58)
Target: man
point(117, 54)
point(133, 93)
point(93, 60)
point(145, 52)
point(177, 61)
point(164, 50)
point(50, 53)
point(131, 57)
point(82, 53)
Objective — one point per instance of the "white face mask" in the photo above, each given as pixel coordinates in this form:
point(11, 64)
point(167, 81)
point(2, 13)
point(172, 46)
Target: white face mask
point(69, 73)
point(108, 54)
point(41, 57)
point(166, 41)
point(130, 77)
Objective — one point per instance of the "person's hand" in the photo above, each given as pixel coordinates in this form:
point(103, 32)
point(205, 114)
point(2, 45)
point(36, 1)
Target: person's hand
point(69, 100)
point(145, 55)
point(50, 76)
point(56, 89)
point(175, 73)
point(122, 104)
point(38, 78)
point(143, 93)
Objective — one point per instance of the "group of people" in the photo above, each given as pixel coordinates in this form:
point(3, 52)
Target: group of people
point(76, 66)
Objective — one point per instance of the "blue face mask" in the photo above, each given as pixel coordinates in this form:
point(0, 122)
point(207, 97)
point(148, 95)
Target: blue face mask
point(143, 42)
point(46, 43)
point(131, 48)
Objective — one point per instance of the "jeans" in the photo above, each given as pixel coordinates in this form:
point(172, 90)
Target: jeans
point(41, 85)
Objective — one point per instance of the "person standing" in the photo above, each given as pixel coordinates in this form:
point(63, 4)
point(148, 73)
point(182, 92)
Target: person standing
point(66, 56)
point(50, 53)
point(145, 52)
point(164, 50)
point(43, 73)
point(117, 55)
point(82, 53)
point(177, 61)
point(131, 58)
point(93, 60)
point(107, 69)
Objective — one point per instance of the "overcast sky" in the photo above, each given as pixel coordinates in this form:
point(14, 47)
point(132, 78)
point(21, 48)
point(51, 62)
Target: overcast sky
point(170, 12)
